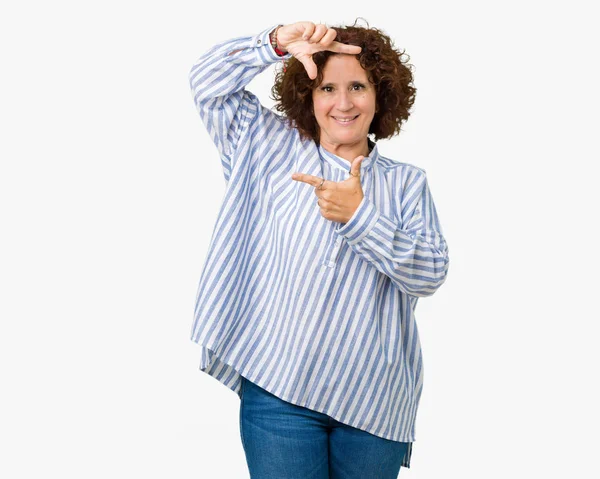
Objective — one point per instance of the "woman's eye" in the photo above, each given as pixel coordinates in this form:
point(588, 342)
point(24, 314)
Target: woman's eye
point(330, 88)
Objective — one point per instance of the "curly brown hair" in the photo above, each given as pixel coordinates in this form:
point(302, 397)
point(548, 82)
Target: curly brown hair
point(392, 77)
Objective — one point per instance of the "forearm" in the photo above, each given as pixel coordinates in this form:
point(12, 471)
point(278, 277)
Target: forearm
point(415, 258)
point(218, 80)
point(229, 66)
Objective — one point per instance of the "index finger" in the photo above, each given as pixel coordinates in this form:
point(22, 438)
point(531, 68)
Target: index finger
point(310, 179)
point(344, 48)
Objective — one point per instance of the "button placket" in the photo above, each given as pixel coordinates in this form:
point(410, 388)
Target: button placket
point(335, 251)
point(334, 246)
point(330, 252)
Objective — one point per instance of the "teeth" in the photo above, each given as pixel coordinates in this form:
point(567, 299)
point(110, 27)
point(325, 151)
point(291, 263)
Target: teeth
point(344, 120)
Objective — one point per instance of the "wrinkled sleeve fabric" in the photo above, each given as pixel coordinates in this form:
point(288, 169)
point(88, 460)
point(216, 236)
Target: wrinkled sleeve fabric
point(414, 257)
point(217, 81)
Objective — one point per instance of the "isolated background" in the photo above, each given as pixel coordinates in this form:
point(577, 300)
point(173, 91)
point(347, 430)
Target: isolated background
point(110, 186)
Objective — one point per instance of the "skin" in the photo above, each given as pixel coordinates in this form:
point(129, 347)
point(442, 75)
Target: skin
point(337, 200)
point(345, 91)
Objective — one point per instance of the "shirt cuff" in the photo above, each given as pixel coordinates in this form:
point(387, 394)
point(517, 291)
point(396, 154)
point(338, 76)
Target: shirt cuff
point(361, 223)
point(262, 41)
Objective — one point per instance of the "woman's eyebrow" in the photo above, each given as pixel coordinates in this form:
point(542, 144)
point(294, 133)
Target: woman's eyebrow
point(333, 83)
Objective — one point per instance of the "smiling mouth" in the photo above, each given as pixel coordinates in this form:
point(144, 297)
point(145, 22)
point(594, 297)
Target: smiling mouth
point(345, 121)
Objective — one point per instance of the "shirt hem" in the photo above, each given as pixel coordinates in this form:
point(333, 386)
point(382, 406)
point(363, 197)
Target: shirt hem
point(234, 385)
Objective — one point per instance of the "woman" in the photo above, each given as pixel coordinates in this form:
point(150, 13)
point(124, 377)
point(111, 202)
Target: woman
point(321, 249)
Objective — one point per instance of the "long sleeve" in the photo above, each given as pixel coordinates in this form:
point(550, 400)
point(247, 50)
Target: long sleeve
point(415, 257)
point(217, 82)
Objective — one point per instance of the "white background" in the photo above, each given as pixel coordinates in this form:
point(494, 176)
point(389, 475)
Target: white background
point(110, 188)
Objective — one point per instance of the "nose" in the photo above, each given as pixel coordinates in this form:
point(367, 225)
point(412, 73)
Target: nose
point(344, 102)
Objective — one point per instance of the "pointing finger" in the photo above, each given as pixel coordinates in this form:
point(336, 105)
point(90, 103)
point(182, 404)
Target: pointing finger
point(309, 179)
point(344, 48)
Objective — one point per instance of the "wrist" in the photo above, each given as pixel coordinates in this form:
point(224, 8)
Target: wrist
point(275, 44)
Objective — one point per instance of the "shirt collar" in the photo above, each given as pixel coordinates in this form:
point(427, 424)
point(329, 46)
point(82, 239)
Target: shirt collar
point(343, 164)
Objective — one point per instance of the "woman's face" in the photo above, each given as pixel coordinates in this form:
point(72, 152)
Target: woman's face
point(344, 93)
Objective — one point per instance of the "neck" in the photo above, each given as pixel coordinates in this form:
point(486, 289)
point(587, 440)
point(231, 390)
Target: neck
point(347, 151)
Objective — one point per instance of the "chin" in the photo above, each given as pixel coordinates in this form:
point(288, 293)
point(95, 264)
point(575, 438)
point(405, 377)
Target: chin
point(351, 139)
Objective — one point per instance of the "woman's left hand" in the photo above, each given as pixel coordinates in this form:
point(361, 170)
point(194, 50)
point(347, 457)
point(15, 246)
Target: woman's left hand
point(338, 200)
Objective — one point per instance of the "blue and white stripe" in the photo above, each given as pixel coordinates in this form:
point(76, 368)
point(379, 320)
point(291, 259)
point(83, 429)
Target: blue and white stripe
point(319, 313)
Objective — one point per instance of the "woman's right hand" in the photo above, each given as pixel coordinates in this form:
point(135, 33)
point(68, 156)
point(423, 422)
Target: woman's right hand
point(304, 39)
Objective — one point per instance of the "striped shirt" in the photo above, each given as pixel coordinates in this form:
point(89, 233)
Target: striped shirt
point(318, 313)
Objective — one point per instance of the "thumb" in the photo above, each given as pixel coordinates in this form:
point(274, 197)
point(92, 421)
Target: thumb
point(309, 65)
point(355, 168)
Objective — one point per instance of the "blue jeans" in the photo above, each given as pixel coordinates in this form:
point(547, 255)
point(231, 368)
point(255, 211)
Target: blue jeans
point(284, 441)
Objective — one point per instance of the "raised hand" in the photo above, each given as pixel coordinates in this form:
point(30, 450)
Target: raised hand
point(338, 200)
point(304, 39)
